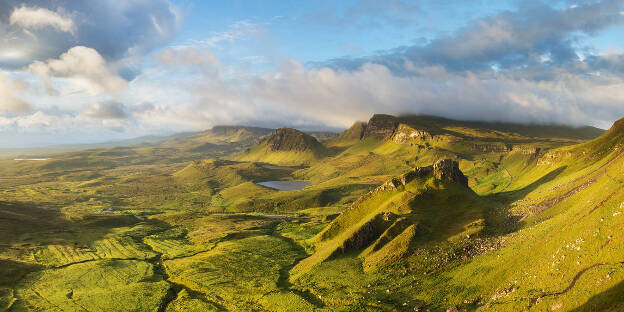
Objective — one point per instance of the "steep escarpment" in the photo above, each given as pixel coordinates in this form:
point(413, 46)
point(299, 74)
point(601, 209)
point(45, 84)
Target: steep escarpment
point(286, 146)
point(405, 133)
point(381, 126)
point(425, 203)
point(386, 127)
point(467, 136)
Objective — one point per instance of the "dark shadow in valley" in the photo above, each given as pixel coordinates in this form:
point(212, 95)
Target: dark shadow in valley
point(27, 225)
point(12, 271)
point(17, 219)
point(499, 219)
point(511, 196)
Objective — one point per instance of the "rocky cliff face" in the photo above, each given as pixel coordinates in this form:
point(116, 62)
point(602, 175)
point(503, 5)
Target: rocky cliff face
point(389, 127)
point(526, 150)
point(404, 134)
point(445, 170)
point(287, 139)
point(381, 126)
point(448, 170)
point(491, 148)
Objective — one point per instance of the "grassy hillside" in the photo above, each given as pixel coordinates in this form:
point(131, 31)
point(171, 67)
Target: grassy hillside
point(543, 245)
point(427, 204)
point(181, 224)
point(286, 147)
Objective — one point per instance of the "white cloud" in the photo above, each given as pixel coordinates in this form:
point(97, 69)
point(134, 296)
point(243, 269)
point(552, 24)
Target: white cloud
point(237, 31)
point(335, 98)
point(40, 18)
point(9, 102)
point(105, 110)
point(43, 29)
point(83, 68)
point(300, 97)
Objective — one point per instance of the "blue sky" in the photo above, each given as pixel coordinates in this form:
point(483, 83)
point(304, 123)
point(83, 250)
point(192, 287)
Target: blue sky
point(316, 31)
point(74, 71)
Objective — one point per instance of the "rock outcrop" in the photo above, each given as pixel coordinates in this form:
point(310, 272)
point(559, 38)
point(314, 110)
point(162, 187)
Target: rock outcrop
point(287, 139)
point(491, 148)
point(448, 170)
point(381, 126)
point(404, 134)
point(526, 150)
point(445, 170)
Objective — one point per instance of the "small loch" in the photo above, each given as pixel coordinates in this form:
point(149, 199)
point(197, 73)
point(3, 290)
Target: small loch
point(285, 185)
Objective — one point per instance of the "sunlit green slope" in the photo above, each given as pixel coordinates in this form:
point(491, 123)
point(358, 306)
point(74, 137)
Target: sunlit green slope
point(549, 241)
point(175, 225)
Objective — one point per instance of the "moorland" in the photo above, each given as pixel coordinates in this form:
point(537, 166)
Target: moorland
point(408, 213)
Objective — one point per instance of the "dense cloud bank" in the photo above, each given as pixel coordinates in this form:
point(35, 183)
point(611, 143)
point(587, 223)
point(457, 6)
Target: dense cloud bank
point(338, 97)
point(529, 64)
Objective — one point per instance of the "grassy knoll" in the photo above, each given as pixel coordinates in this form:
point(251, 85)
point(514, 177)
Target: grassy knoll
point(181, 225)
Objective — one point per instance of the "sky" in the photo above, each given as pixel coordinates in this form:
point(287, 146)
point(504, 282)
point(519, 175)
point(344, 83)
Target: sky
point(74, 71)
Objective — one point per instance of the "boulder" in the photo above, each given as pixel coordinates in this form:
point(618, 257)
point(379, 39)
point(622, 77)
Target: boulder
point(404, 134)
point(448, 170)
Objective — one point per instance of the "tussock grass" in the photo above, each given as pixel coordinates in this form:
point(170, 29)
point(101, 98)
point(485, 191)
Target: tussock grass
point(88, 229)
point(108, 285)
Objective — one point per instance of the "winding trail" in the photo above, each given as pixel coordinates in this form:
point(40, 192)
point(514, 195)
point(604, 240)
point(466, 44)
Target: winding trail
point(534, 300)
point(510, 178)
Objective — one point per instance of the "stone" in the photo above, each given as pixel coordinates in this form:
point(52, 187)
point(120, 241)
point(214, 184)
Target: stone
point(381, 126)
point(404, 134)
point(448, 170)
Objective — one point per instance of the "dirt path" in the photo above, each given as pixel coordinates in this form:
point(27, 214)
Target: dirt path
point(510, 179)
point(534, 300)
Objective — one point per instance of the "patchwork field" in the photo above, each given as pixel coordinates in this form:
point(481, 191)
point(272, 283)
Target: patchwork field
point(516, 218)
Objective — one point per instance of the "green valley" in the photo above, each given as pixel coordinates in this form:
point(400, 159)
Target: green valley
point(400, 213)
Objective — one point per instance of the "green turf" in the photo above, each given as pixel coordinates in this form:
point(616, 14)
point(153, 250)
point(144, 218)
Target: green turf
point(181, 225)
